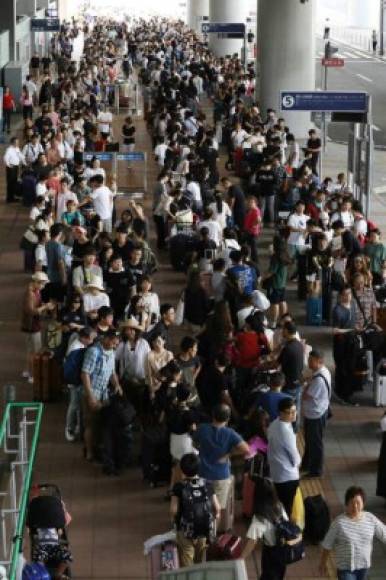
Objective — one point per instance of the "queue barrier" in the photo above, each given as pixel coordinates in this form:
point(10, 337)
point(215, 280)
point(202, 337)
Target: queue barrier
point(19, 438)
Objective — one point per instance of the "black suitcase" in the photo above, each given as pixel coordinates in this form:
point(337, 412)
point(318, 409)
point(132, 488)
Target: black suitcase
point(179, 248)
point(156, 459)
point(317, 518)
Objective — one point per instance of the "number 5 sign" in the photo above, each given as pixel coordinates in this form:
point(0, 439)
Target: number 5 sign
point(288, 101)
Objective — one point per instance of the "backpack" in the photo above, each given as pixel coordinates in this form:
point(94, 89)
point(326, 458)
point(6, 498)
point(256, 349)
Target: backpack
point(72, 367)
point(196, 520)
point(317, 518)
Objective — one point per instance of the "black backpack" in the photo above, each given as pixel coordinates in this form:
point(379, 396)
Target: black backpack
point(196, 514)
point(317, 518)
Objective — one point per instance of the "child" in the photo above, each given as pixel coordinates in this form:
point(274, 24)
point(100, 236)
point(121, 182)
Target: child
point(194, 508)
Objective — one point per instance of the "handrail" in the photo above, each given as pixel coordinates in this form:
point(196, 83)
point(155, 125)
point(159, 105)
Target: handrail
point(22, 508)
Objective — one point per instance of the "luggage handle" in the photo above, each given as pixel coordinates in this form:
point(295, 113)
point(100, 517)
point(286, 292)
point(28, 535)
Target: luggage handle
point(252, 467)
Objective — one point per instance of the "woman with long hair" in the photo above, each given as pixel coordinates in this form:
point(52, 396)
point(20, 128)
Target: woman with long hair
point(196, 303)
point(276, 278)
point(268, 511)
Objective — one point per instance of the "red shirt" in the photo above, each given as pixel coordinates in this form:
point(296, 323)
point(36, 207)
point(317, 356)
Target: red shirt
point(248, 349)
point(8, 101)
point(250, 219)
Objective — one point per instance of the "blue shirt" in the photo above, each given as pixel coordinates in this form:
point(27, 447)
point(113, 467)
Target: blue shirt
point(283, 455)
point(100, 365)
point(215, 442)
point(55, 253)
point(245, 277)
point(269, 401)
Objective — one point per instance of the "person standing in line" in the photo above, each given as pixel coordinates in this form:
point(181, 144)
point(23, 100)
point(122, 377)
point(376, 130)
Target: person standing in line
point(374, 40)
point(9, 107)
point(283, 455)
point(13, 159)
point(316, 401)
point(351, 536)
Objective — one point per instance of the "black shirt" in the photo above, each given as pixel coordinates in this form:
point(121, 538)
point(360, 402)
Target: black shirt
point(239, 209)
point(211, 385)
point(292, 363)
point(266, 179)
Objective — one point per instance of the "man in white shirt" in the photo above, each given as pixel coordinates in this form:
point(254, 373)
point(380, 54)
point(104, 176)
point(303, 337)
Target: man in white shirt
point(283, 455)
point(160, 150)
point(214, 228)
point(293, 152)
point(297, 223)
point(13, 159)
point(105, 120)
point(102, 199)
point(316, 402)
point(239, 135)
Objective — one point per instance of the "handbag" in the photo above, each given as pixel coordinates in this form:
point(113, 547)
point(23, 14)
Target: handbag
point(267, 284)
point(298, 513)
point(289, 542)
point(180, 311)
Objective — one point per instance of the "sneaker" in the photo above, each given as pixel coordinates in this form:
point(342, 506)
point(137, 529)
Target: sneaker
point(69, 435)
point(25, 374)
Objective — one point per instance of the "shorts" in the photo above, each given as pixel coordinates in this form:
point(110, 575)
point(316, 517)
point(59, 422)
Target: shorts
point(46, 552)
point(222, 489)
point(33, 342)
point(277, 295)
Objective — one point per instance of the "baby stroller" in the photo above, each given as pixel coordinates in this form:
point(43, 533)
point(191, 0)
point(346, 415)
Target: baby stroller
point(47, 520)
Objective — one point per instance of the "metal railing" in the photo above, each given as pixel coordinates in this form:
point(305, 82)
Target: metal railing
point(19, 436)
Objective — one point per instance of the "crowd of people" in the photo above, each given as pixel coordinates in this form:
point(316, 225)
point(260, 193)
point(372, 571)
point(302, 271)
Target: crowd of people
point(242, 381)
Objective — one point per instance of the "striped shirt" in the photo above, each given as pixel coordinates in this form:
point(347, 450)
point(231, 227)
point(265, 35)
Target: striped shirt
point(352, 540)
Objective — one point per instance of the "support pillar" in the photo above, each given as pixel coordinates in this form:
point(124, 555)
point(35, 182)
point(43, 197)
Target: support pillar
point(8, 22)
point(288, 64)
point(197, 11)
point(227, 11)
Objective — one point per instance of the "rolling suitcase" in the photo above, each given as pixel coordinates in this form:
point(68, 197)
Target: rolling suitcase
point(179, 248)
point(314, 308)
point(256, 473)
point(163, 557)
point(317, 518)
point(226, 547)
point(46, 376)
point(380, 384)
point(35, 571)
point(156, 460)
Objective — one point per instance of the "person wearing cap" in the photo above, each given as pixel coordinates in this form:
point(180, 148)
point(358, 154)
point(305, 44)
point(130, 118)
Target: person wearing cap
point(32, 311)
point(94, 297)
point(98, 372)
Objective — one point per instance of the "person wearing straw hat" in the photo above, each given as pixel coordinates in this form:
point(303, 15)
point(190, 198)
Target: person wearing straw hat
point(94, 297)
point(32, 311)
point(130, 357)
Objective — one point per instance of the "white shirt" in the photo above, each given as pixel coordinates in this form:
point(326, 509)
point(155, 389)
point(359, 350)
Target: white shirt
point(320, 392)
point(360, 227)
point(13, 157)
point(215, 231)
point(195, 190)
point(31, 152)
point(297, 221)
point(346, 217)
point(262, 529)
point(283, 455)
point(41, 254)
point(105, 118)
point(95, 301)
point(132, 362)
point(34, 213)
point(294, 152)
point(159, 152)
point(221, 217)
point(103, 202)
point(238, 137)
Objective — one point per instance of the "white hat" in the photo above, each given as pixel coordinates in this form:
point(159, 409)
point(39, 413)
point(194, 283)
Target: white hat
point(260, 301)
point(95, 282)
point(40, 277)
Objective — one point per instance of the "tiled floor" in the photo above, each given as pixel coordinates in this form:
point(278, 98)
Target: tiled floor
point(112, 517)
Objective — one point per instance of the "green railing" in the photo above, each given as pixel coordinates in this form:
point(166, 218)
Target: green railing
point(19, 414)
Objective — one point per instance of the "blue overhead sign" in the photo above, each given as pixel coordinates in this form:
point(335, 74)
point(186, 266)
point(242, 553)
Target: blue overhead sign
point(101, 155)
point(133, 156)
point(223, 27)
point(45, 24)
point(324, 101)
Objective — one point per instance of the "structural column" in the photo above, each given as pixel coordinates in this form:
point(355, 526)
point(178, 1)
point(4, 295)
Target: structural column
point(198, 12)
point(234, 11)
point(286, 55)
point(8, 22)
